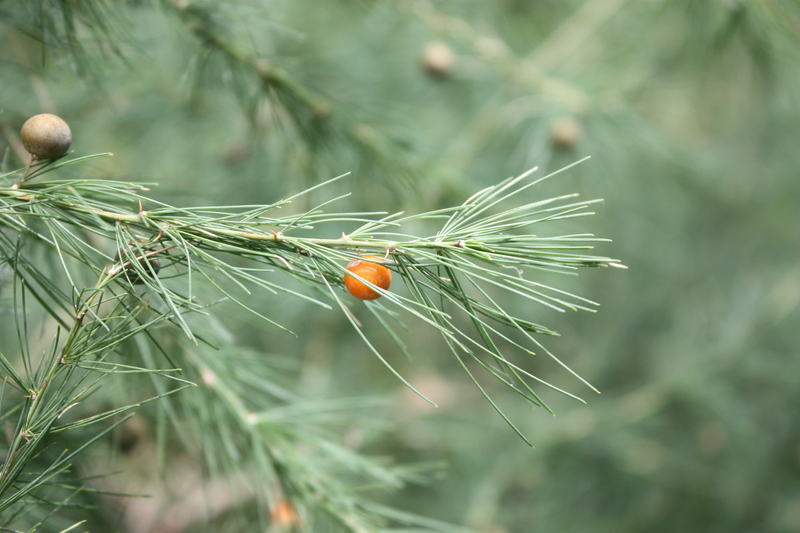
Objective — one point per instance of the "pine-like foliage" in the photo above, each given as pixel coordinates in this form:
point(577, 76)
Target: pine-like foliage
point(179, 353)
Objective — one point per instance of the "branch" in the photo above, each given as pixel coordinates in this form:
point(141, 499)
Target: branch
point(482, 246)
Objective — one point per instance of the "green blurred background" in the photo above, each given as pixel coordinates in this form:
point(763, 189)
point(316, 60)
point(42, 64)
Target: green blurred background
point(690, 112)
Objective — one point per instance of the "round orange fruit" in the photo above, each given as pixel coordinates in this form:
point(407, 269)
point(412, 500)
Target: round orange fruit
point(378, 275)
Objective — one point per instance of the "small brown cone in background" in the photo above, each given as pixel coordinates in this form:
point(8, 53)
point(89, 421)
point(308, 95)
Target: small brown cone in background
point(46, 136)
point(132, 433)
point(565, 133)
point(438, 59)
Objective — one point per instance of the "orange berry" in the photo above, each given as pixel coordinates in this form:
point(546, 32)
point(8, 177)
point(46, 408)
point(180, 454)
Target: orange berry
point(376, 274)
point(284, 515)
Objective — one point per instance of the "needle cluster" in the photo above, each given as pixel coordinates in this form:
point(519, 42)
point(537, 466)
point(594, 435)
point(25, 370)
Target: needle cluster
point(113, 232)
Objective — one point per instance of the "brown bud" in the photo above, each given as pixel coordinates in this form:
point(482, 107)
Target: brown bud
point(46, 136)
point(438, 59)
point(151, 264)
point(566, 132)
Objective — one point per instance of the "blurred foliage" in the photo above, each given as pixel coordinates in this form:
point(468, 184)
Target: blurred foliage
point(691, 113)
